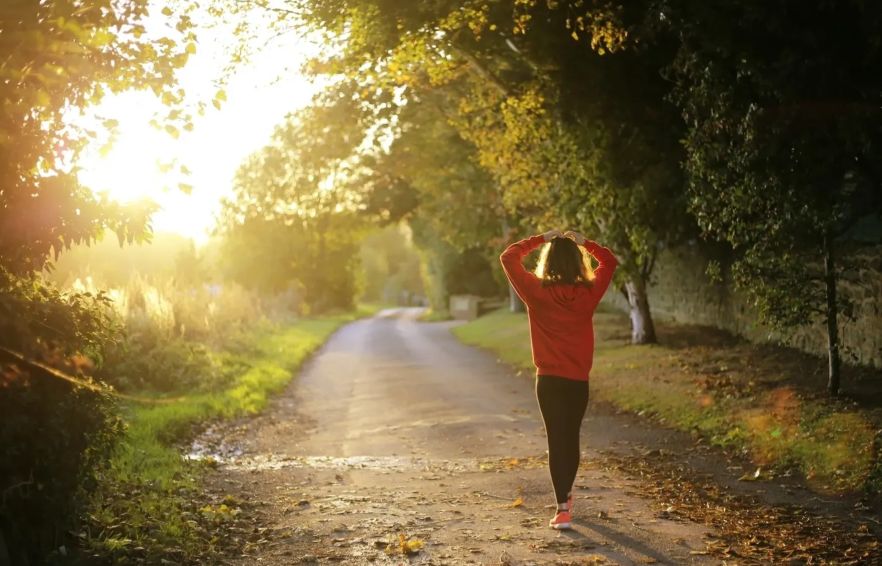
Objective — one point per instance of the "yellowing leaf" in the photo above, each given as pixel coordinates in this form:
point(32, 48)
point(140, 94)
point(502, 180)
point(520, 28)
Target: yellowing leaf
point(405, 546)
point(518, 502)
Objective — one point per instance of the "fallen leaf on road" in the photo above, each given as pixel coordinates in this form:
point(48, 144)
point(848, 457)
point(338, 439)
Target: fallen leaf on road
point(404, 546)
point(752, 477)
point(518, 502)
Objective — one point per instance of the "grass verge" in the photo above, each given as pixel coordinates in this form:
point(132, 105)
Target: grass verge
point(147, 506)
point(761, 400)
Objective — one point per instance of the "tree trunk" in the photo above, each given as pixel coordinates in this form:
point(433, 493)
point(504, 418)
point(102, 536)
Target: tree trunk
point(515, 304)
point(642, 327)
point(832, 323)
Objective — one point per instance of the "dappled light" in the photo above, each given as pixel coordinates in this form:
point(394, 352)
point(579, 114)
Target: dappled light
point(519, 282)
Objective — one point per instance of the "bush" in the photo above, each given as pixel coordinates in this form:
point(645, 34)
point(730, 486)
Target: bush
point(161, 365)
point(56, 436)
point(56, 439)
point(170, 334)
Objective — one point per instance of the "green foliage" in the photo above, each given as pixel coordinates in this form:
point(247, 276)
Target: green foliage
point(40, 319)
point(560, 133)
point(167, 328)
point(55, 436)
point(390, 266)
point(456, 216)
point(60, 56)
point(448, 270)
point(434, 170)
point(782, 144)
point(293, 221)
point(167, 365)
point(56, 440)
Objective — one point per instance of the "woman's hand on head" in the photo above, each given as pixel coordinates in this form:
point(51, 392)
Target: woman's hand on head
point(551, 234)
point(575, 236)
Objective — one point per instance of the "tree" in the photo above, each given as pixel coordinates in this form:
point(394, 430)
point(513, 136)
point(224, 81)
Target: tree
point(555, 118)
point(456, 215)
point(391, 266)
point(293, 219)
point(59, 56)
point(784, 131)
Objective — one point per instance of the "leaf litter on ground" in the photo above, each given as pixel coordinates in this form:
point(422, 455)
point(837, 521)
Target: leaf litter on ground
point(750, 530)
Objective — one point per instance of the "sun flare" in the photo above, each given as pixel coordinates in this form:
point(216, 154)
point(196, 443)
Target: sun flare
point(146, 162)
point(129, 169)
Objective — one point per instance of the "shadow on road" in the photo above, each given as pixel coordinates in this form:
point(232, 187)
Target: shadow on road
point(619, 538)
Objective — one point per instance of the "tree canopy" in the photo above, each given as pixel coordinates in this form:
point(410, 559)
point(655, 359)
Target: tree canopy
point(642, 123)
point(62, 56)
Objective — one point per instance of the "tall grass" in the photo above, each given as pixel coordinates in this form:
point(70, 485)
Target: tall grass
point(206, 312)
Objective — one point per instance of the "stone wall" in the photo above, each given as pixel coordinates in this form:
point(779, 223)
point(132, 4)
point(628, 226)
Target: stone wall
point(681, 292)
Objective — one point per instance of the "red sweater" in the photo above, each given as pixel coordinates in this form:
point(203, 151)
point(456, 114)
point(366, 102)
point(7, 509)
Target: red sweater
point(561, 325)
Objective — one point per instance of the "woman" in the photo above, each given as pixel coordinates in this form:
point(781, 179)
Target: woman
point(561, 298)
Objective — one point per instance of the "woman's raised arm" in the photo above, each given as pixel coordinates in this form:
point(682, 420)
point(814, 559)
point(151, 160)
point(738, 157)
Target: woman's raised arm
point(525, 283)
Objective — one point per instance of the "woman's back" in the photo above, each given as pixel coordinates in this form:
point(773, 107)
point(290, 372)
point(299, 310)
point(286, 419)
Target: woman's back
point(560, 314)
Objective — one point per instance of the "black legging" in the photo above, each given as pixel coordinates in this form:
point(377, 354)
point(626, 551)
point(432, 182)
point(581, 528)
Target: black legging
point(562, 402)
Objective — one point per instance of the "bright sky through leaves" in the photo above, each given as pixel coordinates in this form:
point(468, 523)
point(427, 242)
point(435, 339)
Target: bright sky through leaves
point(258, 95)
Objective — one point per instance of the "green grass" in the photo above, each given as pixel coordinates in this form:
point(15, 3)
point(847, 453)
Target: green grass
point(147, 504)
point(735, 394)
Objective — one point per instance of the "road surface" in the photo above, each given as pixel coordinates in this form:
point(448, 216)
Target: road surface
point(393, 429)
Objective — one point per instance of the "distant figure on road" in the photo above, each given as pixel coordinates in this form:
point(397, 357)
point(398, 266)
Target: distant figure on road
point(561, 297)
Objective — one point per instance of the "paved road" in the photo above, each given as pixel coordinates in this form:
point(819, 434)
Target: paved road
point(395, 428)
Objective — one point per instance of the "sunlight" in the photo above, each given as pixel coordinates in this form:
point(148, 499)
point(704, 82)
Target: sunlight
point(145, 162)
point(130, 169)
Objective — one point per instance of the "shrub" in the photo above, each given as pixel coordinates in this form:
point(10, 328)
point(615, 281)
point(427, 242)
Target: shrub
point(56, 439)
point(56, 436)
point(161, 365)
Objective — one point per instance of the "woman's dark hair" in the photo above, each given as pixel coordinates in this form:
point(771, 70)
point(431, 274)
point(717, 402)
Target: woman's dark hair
point(562, 262)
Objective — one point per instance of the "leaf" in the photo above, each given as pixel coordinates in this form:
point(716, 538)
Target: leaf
point(752, 477)
point(517, 502)
point(404, 546)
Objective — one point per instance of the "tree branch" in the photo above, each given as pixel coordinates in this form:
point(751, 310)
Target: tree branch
point(479, 69)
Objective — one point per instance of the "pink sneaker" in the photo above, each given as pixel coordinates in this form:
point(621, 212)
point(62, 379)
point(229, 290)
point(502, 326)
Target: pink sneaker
point(561, 521)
